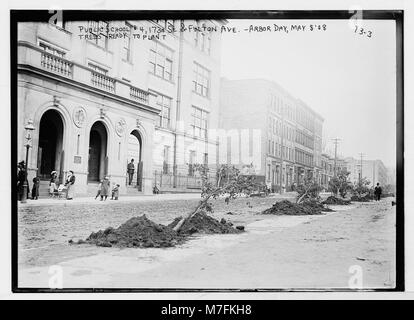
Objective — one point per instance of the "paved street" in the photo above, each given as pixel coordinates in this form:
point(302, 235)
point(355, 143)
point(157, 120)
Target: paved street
point(275, 252)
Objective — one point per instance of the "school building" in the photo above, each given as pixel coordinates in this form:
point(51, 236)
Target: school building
point(98, 101)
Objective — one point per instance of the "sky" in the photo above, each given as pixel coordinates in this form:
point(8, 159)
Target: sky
point(348, 78)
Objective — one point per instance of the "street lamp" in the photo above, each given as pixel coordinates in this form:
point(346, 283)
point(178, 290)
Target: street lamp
point(28, 130)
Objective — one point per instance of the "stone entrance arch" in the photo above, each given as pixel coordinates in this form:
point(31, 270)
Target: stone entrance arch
point(135, 152)
point(98, 152)
point(50, 155)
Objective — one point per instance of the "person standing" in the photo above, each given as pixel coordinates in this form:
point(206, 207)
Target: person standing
point(377, 192)
point(105, 188)
point(98, 193)
point(35, 188)
point(21, 179)
point(70, 181)
point(131, 170)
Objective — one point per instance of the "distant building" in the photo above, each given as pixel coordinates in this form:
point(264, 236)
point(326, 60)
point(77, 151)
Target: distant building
point(373, 170)
point(289, 146)
point(341, 165)
point(391, 176)
point(327, 170)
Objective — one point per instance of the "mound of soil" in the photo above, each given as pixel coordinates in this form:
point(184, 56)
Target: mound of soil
point(203, 223)
point(316, 205)
point(136, 232)
point(365, 198)
point(387, 195)
point(337, 201)
point(286, 207)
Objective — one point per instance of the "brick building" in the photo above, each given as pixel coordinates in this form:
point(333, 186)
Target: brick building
point(283, 135)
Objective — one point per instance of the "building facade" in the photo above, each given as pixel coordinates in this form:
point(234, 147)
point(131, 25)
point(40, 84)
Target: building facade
point(327, 170)
point(99, 101)
point(283, 135)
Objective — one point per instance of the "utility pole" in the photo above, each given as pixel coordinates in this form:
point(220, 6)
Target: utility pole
point(336, 142)
point(282, 147)
point(178, 105)
point(360, 167)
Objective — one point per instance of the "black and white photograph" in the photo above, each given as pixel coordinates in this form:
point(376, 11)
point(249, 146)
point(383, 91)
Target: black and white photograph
point(215, 151)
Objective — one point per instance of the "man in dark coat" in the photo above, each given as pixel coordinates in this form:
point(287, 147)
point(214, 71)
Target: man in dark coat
point(131, 170)
point(377, 192)
point(21, 178)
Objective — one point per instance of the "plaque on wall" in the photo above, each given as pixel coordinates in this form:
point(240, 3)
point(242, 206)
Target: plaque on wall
point(77, 159)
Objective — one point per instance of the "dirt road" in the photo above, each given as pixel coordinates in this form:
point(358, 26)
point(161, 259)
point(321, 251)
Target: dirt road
point(301, 252)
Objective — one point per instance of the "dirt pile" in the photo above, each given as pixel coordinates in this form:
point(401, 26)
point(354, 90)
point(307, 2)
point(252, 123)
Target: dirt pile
point(141, 232)
point(336, 201)
point(316, 205)
point(387, 195)
point(365, 198)
point(286, 207)
point(136, 232)
point(203, 223)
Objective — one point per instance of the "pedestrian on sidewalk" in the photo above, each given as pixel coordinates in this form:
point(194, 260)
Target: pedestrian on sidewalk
point(115, 192)
point(98, 192)
point(21, 178)
point(377, 192)
point(131, 170)
point(70, 181)
point(105, 188)
point(35, 188)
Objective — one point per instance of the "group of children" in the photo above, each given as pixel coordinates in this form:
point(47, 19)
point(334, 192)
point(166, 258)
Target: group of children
point(103, 190)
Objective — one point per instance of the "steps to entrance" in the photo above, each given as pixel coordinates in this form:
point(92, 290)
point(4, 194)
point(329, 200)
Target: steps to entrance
point(43, 188)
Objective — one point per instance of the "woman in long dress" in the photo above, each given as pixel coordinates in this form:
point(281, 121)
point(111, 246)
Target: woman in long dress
point(105, 188)
point(70, 181)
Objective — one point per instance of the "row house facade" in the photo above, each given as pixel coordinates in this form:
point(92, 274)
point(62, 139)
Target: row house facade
point(290, 133)
point(99, 101)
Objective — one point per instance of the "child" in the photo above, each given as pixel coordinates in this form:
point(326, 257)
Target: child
point(35, 189)
point(61, 190)
point(53, 188)
point(99, 190)
point(115, 192)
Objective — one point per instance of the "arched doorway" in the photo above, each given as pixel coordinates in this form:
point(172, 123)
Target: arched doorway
point(135, 152)
point(50, 149)
point(98, 158)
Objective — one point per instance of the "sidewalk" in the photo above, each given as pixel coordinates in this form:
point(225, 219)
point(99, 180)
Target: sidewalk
point(91, 199)
point(127, 199)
